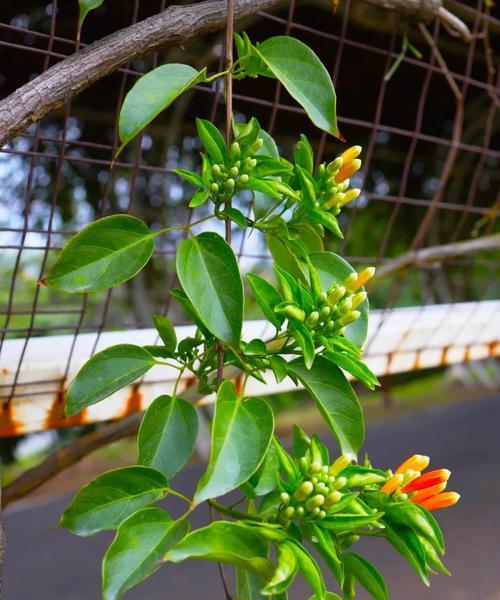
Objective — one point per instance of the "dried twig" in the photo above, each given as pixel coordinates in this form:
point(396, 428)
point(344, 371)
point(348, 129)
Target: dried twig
point(435, 254)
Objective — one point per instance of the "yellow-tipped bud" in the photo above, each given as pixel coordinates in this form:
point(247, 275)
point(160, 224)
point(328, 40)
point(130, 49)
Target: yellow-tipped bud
point(315, 501)
point(289, 512)
point(285, 498)
point(350, 317)
point(349, 196)
point(417, 462)
point(332, 201)
point(363, 277)
point(315, 468)
point(337, 294)
point(340, 464)
point(348, 170)
point(358, 299)
point(350, 280)
point(392, 484)
point(350, 154)
point(332, 499)
point(340, 483)
point(335, 165)
point(304, 490)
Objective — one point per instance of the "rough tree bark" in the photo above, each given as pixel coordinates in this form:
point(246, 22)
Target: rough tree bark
point(174, 26)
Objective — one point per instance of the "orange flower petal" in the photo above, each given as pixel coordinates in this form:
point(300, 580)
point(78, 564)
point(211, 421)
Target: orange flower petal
point(441, 501)
point(417, 462)
point(428, 492)
point(392, 484)
point(428, 479)
point(363, 277)
point(348, 170)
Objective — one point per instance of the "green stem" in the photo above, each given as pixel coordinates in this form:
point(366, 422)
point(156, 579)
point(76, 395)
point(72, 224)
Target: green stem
point(182, 227)
point(179, 495)
point(236, 514)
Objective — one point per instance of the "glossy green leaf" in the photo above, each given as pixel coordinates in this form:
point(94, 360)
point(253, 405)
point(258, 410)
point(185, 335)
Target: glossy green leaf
point(326, 548)
point(305, 78)
point(212, 140)
point(285, 572)
point(304, 339)
point(411, 515)
point(278, 367)
point(301, 442)
point(209, 274)
point(284, 257)
point(332, 268)
point(166, 331)
point(340, 522)
point(353, 366)
point(85, 7)
point(367, 575)
point(248, 585)
point(187, 305)
point(111, 497)
point(241, 434)
point(225, 542)
point(303, 154)
point(235, 215)
point(267, 298)
point(151, 95)
point(309, 569)
point(268, 473)
point(167, 436)
point(408, 545)
point(335, 399)
point(255, 347)
point(106, 253)
point(137, 550)
point(328, 596)
point(190, 177)
point(199, 198)
point(105, 373)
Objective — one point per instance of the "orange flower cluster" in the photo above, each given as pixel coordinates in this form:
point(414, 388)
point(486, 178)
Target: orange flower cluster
point(350, 164)
point(427, 490)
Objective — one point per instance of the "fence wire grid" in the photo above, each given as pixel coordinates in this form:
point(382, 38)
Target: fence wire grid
point(429, 131)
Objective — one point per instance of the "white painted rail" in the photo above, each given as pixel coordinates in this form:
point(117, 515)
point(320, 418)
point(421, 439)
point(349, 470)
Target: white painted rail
point(399, 340)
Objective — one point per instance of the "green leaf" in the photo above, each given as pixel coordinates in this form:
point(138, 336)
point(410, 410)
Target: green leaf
point(85, 7)
point(166, 331)
point(328, 596)
point(208, 271)
point(329, 552)
point(103, 254)
point(241, 434)
point(225, 542)
point(301, 442)
point(139, 545)
point(285, 572)
point(190, 177)
point(105, 373)
point(235, 215)
point(167, 436)
point(267, 298)
point(309, 569)
point(303, 154)
point(305, 340)
point(408, 545)
point(335, 399)
point(354, 367)
point(152, 94)
point(411, 515)
point(305, 78)
point(111, 497)
point(341, 523)
point(279, 368)
point(212, 140)
point(332, 268)
point(367, 575)
point(199, 198)
point(268, 472)
point(255, 347)
point(187, 305)
point(284, 257)
point(248, 585)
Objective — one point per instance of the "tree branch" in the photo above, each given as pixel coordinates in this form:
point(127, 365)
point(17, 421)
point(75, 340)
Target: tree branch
point(175, 25)
point(437, 254)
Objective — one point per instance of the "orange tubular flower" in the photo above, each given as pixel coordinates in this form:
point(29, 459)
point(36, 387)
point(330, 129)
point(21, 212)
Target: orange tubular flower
point(440, 501)
point(350, 154)
point(427, 480)
point(428, 492)
point(417, 462)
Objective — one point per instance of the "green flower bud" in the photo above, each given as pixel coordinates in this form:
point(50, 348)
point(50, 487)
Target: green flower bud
point(244, 179)
point(336, 294)
point(304, 464)
point(332, 498)
point(340, 483)
point(350, 317)
point(234, 150)
point(334, 166)
point(334, 200)
point(349, 540)
point(257, 145)
point(325, 312)
point(233, 171)
point(214, 188)
point(291, 311)
point(312, 319)
point(314, 480)
point(322, 298)
point(336, 212)
point(350, 280)
point(339, 464)
point(285, 498)
point(289, 512)
point(330, 325)
point(251, 163)
point(315, 467)
point(299, 511)
point(324, 469)
point(315, 501)
point(346, 304)
point(321, 488)
point(216, 171)
point(304, 490)
point(316, 511)
point(230, 183)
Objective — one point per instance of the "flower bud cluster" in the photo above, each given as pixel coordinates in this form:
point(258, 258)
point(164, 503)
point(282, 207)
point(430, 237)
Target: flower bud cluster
point(227, 179)
point(317, 492)
point(335, 180)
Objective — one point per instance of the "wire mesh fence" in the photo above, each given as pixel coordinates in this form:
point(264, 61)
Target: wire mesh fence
point(427, 120)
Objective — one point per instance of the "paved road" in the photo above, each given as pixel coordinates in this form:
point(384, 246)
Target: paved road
point(53, 565)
